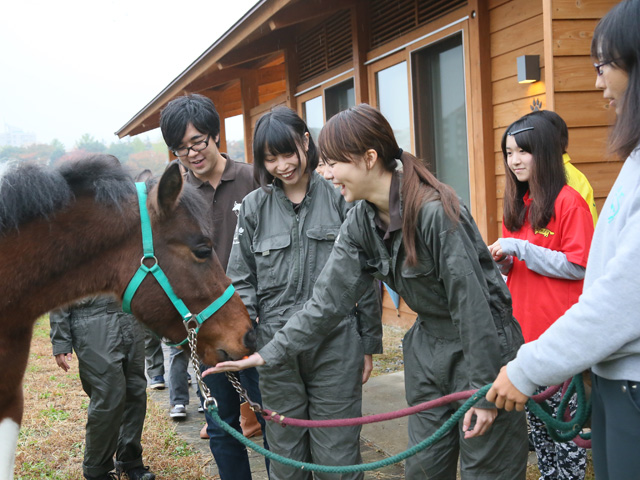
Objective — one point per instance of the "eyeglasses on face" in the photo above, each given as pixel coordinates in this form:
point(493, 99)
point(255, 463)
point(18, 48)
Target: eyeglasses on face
point(598, 66)
point(196, 147)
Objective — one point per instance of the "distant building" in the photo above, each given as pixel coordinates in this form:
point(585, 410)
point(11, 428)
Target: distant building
point(16, 137)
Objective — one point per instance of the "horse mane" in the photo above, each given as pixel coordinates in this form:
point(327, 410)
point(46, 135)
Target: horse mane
point(29, 191)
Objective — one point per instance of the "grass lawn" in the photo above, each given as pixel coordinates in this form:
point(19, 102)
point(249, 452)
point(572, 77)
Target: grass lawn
point(51, 441)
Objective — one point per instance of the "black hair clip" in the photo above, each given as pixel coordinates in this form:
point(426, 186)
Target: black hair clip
point(519, 131)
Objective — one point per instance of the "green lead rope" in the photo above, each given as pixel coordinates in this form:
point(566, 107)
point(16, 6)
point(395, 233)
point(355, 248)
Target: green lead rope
point(448, 425)
point(558, 429)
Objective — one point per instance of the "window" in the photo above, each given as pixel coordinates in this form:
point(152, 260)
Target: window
point(440, 112)
point(392, 98)
point(313, 116)
point(234, 134)
point(339, 98)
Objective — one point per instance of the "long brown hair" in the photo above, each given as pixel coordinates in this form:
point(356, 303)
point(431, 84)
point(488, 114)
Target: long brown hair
point(538, 136)
point(349, 134)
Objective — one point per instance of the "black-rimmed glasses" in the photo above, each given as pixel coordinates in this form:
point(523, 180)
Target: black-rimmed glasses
point(196, 147)
point(598, 66)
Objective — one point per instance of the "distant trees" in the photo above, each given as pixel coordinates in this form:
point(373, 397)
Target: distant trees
point(235, 149)
point(90, 144)
point(136, 154)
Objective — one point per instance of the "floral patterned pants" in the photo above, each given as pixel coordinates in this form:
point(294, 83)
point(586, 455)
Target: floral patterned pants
point(556, 461)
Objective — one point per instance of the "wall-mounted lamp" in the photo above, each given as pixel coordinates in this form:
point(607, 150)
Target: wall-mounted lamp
point(528, 68)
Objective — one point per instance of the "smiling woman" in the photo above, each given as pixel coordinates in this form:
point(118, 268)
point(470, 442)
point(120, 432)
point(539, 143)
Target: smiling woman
point(603, 325)
point(286, 232)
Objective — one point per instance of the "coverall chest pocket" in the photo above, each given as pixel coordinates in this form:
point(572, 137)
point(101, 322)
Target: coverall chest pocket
point(273, 261)
point(321, 240)
point(420, 280)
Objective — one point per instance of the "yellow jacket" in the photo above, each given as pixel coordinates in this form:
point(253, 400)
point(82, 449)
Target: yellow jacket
point(577, 180)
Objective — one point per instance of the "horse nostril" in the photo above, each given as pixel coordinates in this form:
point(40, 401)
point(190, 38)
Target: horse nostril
point(249, 340)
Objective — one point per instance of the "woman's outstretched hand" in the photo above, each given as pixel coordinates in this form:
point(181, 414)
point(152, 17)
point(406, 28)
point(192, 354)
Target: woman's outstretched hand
point(255, 360)
point(504, 394)
point(484, 419)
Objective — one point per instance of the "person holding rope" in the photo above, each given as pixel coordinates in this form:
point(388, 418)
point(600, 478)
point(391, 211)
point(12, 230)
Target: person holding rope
point(413, 232)
point(285, 233)
point(547, 229)
point(602, 330)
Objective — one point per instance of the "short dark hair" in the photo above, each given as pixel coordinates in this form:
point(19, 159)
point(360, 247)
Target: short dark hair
point(280, 131)
point(560, 125)
point(194, 109)
point(616, 39)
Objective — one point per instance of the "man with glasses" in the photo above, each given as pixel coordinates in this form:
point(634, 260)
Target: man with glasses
point(191, 129)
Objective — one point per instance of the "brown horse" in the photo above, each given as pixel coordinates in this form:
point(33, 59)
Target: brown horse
point(73, 231)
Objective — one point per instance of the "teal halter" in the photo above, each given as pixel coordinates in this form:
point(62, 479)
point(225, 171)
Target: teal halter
point(147, 245)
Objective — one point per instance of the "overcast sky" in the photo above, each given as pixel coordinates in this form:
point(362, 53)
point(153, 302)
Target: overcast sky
point(70, 67)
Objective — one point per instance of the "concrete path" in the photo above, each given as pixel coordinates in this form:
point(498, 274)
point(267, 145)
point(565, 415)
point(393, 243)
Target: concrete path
point(381, 394)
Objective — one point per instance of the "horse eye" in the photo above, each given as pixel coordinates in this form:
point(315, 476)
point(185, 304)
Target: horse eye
point(203, 252)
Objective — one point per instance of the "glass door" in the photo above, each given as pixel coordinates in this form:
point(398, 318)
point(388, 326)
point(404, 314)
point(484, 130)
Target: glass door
point(440, 112)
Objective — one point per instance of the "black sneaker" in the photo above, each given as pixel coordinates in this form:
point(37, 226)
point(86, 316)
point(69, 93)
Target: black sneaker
point(140, 473)
point(157, 383)
point(106, 476)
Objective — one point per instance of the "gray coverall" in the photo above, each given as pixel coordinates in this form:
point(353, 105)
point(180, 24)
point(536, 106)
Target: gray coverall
point(464, 332)
point(276, 258)
point(109, 345)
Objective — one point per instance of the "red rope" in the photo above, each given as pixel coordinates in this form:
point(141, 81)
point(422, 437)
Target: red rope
point(380, 417)
point(349, 422)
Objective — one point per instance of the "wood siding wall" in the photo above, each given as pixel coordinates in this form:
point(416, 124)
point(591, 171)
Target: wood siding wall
point(575, 97)
point(560, 32)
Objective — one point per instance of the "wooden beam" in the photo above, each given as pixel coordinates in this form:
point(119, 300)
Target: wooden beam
point(249, 88)
point(295, 14)
point(262, 47)
point(216, 78)
point(291, 75)
point(360, 41)
point(480, 103)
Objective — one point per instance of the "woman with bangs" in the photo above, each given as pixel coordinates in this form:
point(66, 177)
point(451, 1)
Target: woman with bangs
point(602, 330)
point(284, 236)
point(547, 230)
point(412, 232)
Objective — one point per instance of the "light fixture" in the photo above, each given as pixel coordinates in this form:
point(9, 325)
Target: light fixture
point(528, 68)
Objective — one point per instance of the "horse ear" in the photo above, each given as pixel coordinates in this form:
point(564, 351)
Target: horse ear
point(169, 188)
point(144, 175)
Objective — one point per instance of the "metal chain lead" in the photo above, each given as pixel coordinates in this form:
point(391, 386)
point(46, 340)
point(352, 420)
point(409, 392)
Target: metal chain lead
point(206, 393)
point(195, 363)
point(256, 407)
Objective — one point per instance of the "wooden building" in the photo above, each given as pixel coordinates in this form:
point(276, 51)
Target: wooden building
point(444, 72)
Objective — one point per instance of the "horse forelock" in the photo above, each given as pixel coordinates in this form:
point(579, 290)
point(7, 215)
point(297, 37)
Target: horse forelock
point(29, 191)
point(197, 207)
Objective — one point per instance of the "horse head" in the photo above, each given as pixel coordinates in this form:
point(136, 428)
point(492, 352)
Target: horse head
point(183, 245)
